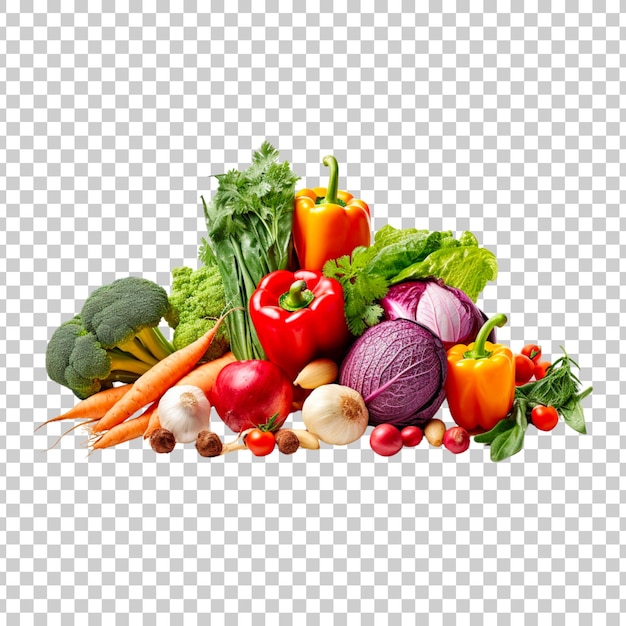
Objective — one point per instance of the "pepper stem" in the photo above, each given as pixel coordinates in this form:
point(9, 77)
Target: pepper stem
point(478, 351)
point(298, 297)
point(333, 180)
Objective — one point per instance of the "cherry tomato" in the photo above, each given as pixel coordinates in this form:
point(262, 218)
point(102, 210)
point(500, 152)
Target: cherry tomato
point(540, 369)
point(260, 442)
point(544, 417)
point(524, 369)
point(532, 351)
point(411, 436)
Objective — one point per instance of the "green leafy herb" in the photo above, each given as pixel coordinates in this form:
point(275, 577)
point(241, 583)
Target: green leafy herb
point(559, 388)
point(572, 412)
point(361, 290)
point(249, 224)
point(501, 427)
point(511, 441)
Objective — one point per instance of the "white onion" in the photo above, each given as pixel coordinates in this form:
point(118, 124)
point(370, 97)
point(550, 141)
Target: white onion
point(336, 414)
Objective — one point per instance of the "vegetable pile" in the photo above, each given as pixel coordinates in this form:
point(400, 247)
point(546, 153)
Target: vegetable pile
point(296, 308)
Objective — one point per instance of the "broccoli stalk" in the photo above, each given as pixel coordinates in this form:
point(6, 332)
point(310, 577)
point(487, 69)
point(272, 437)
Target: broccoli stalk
point(114, 338)
point(126, 314)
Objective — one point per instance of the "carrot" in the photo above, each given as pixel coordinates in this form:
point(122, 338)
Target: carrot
point(153, 423)
point(130, 429)
point(94, 406)
point(205, 375)
point(157, 380)
point(67, 432)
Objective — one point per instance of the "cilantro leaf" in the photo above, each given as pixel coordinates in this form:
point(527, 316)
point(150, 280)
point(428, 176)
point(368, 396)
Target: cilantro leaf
point(249, 221)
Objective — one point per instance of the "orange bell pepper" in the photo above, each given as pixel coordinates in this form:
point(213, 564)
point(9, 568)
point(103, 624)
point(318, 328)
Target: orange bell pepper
point(480, 385)
point(328, 223)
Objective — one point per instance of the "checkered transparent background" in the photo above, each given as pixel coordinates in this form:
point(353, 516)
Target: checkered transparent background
point(504, 118)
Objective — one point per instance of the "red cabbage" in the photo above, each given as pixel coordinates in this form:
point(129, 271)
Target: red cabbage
point(447, 311)
point(399, 367)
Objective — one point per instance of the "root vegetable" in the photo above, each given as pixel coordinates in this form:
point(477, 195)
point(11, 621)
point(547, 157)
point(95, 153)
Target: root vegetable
point(121, 433)
point(411, 436)
point(386, 440)
point(434, 431)
point(205, 375)
point(456, 439)
point(93, 407)
point(317, 373)
point(335, 414)
point(154, 423)
point(248, 393)
point(185, 411)
point(157, 380)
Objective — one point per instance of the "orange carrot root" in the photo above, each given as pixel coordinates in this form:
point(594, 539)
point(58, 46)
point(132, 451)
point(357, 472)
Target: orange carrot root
point(67, 432)
point(92, 407)
point(121, 433)
point(205, 375)
point(154, 423)
point(156, 381)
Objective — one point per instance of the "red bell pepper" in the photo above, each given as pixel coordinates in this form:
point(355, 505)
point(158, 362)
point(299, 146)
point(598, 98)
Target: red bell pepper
point(299, 316)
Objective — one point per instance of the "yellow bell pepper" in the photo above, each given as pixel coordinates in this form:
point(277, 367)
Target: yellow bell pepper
point(480, 384)
point(328, 223)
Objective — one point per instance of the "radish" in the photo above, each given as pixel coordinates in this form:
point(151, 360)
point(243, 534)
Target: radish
point(250, 392)
point(411, 436)
point(386, 440)
point(456, 439)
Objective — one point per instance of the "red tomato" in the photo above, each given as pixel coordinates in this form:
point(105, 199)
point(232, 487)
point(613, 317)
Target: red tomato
point(411, 436)
point(544, 417)
point(260, 442)
point(540, 369)
point(532, 351)
point(524, 369)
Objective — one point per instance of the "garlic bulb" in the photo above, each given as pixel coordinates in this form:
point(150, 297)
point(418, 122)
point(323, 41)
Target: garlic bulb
point(317, 373)
point(185, 411)
point(336, 414)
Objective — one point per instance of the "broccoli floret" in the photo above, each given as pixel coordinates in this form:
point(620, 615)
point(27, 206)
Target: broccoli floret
point(77, 360)
point(196, 302)
point(126, 314)
point(115, 337)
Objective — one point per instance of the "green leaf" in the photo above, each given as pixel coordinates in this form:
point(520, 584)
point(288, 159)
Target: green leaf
point(402, 248)
point(361, 292)
point(467, 268)
point(501, 427)
point(573, 414)
point(468, 239)
point(249, 222)
point(373, 315)
point(511, 441)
